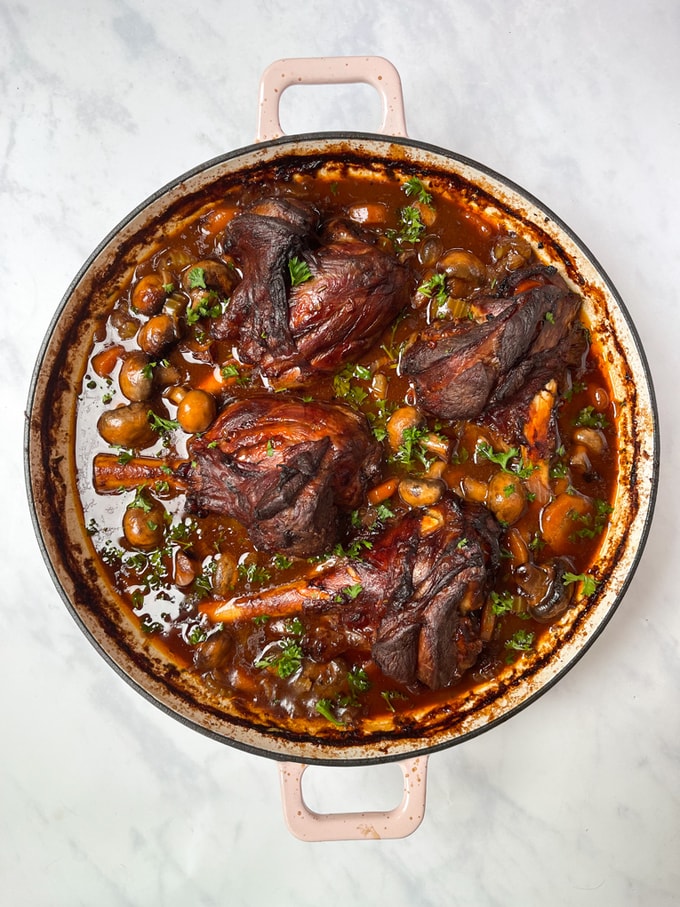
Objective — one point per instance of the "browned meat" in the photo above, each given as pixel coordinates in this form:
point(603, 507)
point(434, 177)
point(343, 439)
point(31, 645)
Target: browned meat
point(530, 335)
point(410, 587)
point(426, 638)
point(284, 469)
point(263, 239)
point(354, 293)
point(292, 332)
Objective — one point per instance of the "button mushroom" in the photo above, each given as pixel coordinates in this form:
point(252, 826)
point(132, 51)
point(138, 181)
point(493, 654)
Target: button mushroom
point(144, 522)
point(157, 334)
point(506, 497)
point(196, 411)
point(420, 492)
point(127, 426)
point(136, 377)
point(148, 295)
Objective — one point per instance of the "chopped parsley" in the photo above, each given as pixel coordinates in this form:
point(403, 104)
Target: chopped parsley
point(299, 271)
point(415, 187)
point(287, 659)
point(209, 306)
point(252, 573)
point(504, 459)
point(502, 603)
point(411, 226)
point(588, 418)
point(281, 562)
point(521, 641)
point(589, 584)
point(196, 279)
point(161, 425)
point(325, 707)
point(435, 288)
point(344, 385)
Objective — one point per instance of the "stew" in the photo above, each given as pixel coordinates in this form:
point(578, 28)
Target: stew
point(345, 448)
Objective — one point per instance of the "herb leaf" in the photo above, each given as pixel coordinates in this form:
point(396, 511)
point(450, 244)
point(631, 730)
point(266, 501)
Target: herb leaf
point(589, 584)
point(415, 186)
point(588, 418)
point(298, 270)
point(196, 279)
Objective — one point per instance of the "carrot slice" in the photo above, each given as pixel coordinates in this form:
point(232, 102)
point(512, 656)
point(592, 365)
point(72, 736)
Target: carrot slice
point(382, 492)
point(105, 360)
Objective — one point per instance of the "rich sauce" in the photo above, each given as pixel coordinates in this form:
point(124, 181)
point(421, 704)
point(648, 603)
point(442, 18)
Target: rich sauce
point(270, 665)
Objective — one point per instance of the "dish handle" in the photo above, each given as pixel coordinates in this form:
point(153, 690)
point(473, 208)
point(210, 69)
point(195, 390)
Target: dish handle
point(308, 825)
point(375, 71)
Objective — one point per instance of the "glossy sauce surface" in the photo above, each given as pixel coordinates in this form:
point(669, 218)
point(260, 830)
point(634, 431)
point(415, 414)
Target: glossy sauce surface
point(286, 665)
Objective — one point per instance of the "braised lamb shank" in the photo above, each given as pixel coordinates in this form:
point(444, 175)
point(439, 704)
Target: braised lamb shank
point(291, 331)
point(284, 468)
point(526, 335)
point(410, 583)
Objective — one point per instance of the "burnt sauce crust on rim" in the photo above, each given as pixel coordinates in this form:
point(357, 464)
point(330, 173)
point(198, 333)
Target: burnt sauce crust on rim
point(413, 717)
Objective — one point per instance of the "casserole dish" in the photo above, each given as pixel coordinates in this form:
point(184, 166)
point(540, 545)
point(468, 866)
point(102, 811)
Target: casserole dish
point(52, 449)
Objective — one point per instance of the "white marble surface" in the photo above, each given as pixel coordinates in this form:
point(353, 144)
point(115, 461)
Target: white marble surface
point(103, 799)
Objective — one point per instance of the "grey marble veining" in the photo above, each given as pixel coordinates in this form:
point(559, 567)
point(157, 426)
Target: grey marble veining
point(105, 800)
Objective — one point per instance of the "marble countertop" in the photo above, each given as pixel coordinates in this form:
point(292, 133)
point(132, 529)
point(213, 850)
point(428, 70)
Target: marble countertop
point(104, 799)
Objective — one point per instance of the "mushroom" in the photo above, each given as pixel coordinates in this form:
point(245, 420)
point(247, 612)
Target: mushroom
point(401, 420)
point(157, 334)
point(506, 497)
point(144, 522)
point(420, 492)
point(127, 426)
point(148, 295)
point(136, 377)
point(543, 586)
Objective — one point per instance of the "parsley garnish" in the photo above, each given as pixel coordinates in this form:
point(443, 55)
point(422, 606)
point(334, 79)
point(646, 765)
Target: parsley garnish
point(196, 279)
point(415, 186)
point(344, 386)
point(281, 562)
point(521, 641)
point(503, 459)
point(412, 448)
point(161, 425)
point(298, 270)
point(589, 584)
point(253, 574)
point(435, 288)
point(287, 659)
point(588, 418)
point(502, 603)
point(411, 226)
point(210, 306)
point(325, 707)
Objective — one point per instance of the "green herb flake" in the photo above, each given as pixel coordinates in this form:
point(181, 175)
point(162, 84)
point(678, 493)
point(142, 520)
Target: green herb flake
point(299, 271)
point(435, 288)
point(325, 708)
point(588, 418)
point(502, 603)
point(287, 659)
point(415, 187)
point(589, 585)
point(281, 562)
point(196, 279)
point(161, 425)
point(521, 641)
